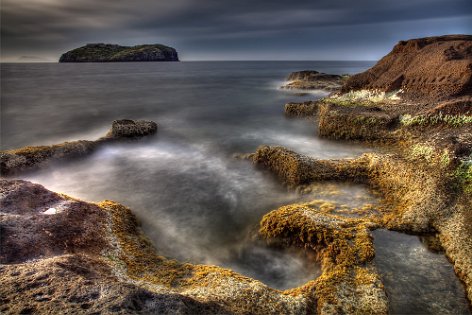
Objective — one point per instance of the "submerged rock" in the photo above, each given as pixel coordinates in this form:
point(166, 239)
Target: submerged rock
point(14, 161)
point(314, 80)
point(114, 53)
point(430, 68)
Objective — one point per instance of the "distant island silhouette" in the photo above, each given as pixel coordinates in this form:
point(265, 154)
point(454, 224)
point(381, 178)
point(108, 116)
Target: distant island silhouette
point(100, 52)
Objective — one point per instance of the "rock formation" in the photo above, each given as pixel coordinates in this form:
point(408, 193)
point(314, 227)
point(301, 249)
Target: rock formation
point(115, 53)
point(432, 68)
point(417, 101)
point(61, 254)
point(14, 161)
point(314, 80)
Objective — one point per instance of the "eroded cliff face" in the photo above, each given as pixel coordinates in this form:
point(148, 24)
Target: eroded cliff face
point(115, 53)
point(432, 68)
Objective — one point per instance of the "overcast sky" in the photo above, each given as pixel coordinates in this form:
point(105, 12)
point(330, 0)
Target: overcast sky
point(229, 29)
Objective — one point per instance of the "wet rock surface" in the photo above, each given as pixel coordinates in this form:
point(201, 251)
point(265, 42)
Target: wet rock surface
point(88, 258)
point(314, 80)
point(18, 160)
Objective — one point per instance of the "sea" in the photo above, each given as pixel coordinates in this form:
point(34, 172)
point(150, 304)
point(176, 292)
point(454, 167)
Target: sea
point(196, 200)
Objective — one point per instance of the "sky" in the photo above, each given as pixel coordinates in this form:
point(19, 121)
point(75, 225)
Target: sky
point(41, 30)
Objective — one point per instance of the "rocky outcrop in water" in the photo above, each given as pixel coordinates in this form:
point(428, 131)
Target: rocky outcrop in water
point(115, 53)
point(417, 100)
point(304, 109)
point(14, 161)
point(431, 68)
point(314, 80)
point(60, 254)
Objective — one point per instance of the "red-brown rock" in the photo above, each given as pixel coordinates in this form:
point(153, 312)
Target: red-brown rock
point(425, 69)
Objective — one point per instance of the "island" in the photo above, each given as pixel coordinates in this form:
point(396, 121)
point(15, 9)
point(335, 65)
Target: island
point(115, 53)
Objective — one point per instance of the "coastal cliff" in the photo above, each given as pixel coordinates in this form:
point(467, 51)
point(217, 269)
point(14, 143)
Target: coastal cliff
point(115, 53)
point(431, 68)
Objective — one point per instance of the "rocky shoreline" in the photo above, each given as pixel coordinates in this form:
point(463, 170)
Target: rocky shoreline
point(93, 258)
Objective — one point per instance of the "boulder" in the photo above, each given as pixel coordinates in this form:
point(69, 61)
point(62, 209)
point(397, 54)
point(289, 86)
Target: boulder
point(314, 80)
point(126, 128)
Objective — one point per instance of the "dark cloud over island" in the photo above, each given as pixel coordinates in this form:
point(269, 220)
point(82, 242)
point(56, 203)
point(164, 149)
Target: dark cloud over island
point(229, 29)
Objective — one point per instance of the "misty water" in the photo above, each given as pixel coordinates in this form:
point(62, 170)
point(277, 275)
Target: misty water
point(196, 202)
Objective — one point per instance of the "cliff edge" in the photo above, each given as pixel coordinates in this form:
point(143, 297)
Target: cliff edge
point(423, 69)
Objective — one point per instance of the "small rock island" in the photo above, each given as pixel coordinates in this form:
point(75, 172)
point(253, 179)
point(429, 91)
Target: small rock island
point(115, 53)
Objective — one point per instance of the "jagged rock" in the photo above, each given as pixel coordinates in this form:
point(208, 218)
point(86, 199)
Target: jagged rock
point(314, 80)
point(305, 109)
point(424, 69)
point(14, 161)
point(115, 53)
point(126, 128)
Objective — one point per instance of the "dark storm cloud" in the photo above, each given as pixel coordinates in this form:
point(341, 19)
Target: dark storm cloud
point(229, 29)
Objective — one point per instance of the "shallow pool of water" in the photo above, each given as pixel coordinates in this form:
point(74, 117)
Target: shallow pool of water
point(417, 280)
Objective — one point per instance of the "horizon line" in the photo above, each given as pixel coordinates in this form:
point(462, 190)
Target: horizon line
point(209, 60)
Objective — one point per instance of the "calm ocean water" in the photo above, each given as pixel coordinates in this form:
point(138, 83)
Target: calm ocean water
point(196, 202)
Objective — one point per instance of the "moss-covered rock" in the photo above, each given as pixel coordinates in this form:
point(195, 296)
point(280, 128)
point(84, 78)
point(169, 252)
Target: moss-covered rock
point(421, 192)
point(349, 283)
point(85, 257)
point(305, 109)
